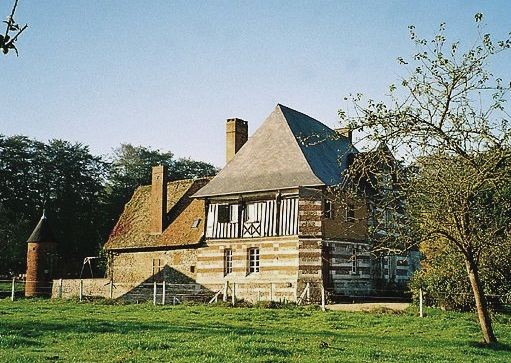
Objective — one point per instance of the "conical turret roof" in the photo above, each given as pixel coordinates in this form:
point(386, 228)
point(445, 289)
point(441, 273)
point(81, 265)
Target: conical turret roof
point(42, 232)
point(289, 150)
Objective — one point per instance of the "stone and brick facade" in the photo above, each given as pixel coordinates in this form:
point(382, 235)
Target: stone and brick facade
point(266, 224)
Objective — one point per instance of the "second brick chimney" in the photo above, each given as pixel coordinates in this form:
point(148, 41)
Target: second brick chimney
point(158, 212)
point(236, 135)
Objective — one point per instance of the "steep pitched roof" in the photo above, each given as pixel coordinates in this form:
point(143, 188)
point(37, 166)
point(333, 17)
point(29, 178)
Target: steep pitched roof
point(42, 232)
point(290, 149)
point(132, 230)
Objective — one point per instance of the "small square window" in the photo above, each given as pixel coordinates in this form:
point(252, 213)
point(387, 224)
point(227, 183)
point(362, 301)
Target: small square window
point(253, 260)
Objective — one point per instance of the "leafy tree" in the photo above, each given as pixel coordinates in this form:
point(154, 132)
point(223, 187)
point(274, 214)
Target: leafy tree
point(62, 177)
point(448, 122)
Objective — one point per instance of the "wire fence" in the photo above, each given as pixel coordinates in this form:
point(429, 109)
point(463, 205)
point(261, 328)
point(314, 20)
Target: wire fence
point(166, 293)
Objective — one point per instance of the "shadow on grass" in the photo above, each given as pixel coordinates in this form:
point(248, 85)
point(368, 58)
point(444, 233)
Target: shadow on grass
point(496, 347)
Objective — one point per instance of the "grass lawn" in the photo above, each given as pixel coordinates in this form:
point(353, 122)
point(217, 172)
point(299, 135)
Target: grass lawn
point(41, 330)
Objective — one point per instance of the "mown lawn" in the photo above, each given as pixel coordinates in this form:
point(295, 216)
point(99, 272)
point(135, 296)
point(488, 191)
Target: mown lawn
point(39, 330)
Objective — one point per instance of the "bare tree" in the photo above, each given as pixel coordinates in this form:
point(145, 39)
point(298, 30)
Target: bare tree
point(7, 40)
point(448, 124)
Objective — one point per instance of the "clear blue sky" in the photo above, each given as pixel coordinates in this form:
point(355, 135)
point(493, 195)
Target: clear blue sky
point(167, 74)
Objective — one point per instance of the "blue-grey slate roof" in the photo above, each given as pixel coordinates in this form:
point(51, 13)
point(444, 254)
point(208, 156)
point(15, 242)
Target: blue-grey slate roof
point(289, 150)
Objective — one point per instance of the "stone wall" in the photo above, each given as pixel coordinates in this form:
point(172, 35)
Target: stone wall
point(70, 288)
point(278, 267)
point(175, 266)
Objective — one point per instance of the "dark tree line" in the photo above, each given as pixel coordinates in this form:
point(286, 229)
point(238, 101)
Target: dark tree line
point(83, 194)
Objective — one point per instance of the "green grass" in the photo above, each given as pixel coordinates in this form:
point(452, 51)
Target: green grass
point(41, 330)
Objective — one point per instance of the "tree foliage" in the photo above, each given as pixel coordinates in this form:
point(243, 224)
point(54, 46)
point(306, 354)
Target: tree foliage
point(62, 177)
point(83, 194)
point(448, 121)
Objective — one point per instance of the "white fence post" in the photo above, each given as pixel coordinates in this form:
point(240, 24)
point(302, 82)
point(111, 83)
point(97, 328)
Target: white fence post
point(226, 285)
point(154, 293)
point(60, 288)
point(163, 294)
point(81, 290)
point(111, 289)
point(233, 291)
point(323, 298)
point(421, 311)
point(307, 287)
point(13, 288)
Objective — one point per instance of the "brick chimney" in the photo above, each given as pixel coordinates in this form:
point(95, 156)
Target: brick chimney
point(158, 211)
point(346, 132)
point(236, 135)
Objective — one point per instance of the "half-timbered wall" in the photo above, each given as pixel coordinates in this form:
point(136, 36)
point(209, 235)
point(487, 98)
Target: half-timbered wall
point(267, 218)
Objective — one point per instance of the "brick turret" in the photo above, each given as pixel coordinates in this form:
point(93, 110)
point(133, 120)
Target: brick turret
point(41, 255)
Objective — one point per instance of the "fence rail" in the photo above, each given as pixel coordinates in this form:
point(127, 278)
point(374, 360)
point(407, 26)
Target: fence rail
point(166, 293)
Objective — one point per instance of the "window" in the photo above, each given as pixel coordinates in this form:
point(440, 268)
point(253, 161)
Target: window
point(233, 213)
point(195, 223)
point(253, 260)
point(354, 261)
point(192, 269)
point(223, 213)
point(227, 213)
point(157, 271)
point(227, 261)
point(350, 213)
point(328, 211)
point(251, 212)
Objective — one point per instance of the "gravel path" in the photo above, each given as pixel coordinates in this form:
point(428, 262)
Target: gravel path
point(368, 306)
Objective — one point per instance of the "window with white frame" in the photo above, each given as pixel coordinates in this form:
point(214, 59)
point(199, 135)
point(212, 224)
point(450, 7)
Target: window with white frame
point(354, 262)
point(233, 213)
point(328, 210)
point(227, 261)
point(350, 213)
point(251, 212)
point(253, 260)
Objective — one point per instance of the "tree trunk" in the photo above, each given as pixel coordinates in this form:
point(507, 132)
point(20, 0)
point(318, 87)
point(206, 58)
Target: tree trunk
point(481, 304)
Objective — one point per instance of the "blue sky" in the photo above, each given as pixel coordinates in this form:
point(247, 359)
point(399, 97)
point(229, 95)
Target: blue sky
point(167, 74)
